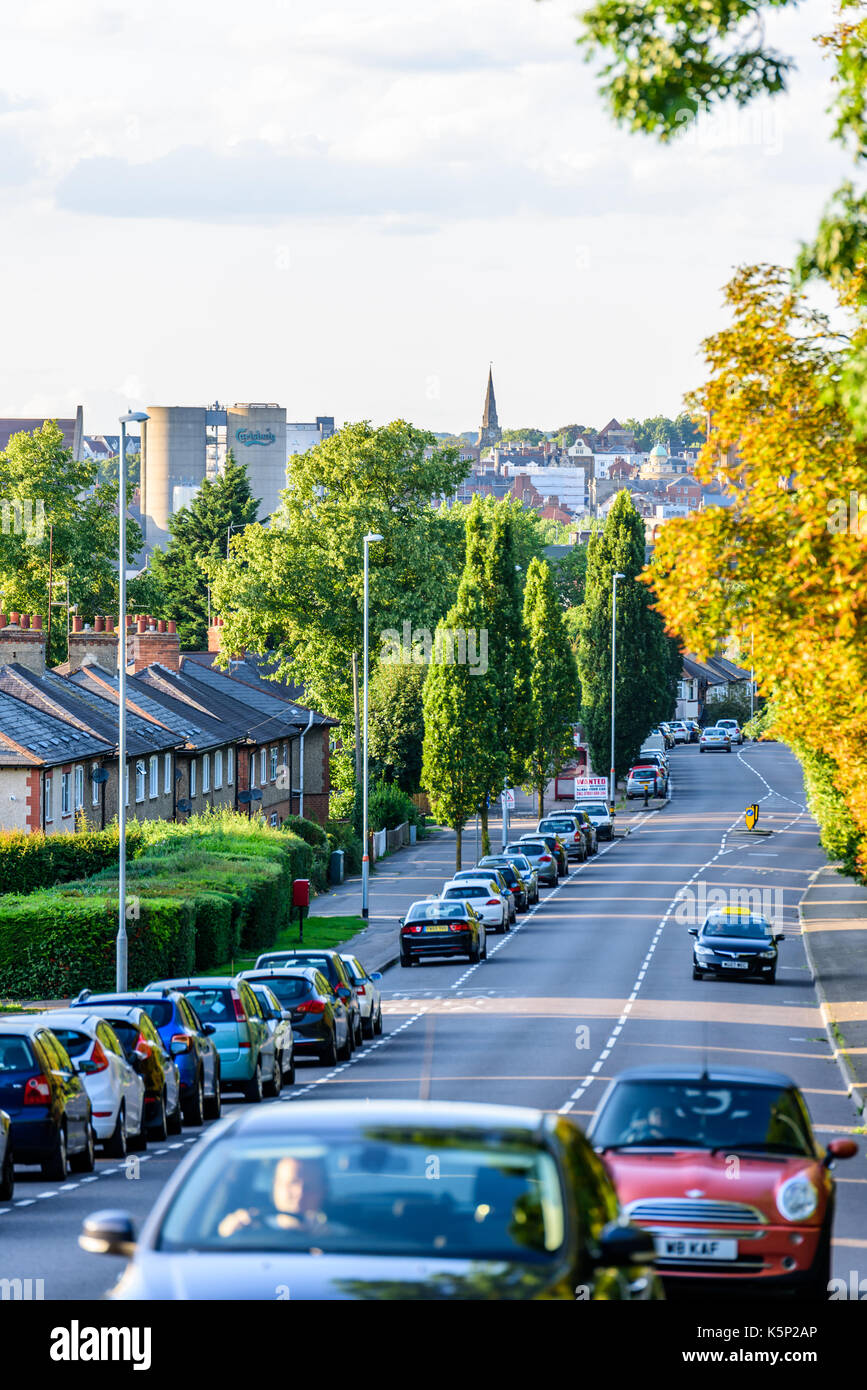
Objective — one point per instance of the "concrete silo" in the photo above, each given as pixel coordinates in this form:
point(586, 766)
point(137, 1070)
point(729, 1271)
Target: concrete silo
point(173, 462)
point(256, 434)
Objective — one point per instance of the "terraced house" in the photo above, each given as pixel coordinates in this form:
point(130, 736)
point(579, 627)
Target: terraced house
point(197, 735)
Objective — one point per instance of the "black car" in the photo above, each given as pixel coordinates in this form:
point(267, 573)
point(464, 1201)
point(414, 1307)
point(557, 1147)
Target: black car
point(188, 1040)
point(735, 943)
point(45, 1099)
point(320, 1018)
point(442, 927)
point(519, 889)
point(334, 1200)
point(335, 970)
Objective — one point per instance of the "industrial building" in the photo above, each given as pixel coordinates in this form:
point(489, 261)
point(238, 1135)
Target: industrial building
point(183, 445)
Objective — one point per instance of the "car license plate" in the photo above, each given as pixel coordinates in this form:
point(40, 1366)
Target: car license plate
point(695, 1248)
point(435, 927)
point(735, 964)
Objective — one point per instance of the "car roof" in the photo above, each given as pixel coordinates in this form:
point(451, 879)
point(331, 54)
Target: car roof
point(196, 981)
point(740, 1076)
point(263, 973)
point(127, 1011)
point(294, 951)
point(72, 1018)
point(128, 997)
point(17, 1023)
point(404, 1115)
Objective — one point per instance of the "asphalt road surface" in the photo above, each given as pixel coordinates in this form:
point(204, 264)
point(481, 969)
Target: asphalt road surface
point(597, 978)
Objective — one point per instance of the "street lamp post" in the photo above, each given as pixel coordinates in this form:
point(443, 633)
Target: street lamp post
point(614, 579)
point(365, 861)
point(121, 954)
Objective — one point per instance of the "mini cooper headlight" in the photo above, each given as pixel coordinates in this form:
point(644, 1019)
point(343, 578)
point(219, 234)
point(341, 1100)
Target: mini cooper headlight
point(797, 1199)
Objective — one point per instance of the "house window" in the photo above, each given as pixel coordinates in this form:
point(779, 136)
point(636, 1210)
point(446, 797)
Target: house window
point(252, 769)
point(206, 773)
point(218, 769)
point(167, 773)
point(274, 763)
point(263, 766)
point(273, 821)
point(65, 794)
point(193, 777)
point(230, 766)
point(154, 776)
point(79, 787)
point(94, 785)
point(126, 784)
point(140, 774)
point(49, 798)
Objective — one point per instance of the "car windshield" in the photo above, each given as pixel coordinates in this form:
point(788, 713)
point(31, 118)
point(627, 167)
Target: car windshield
point(531, 847)
point(508, 872)
point(127, 1033)
point(595, 808)
point(16, 1054)
point(286, 987)
point(554, 827)
point(708, 1116)
point(438, 911)
point(212, 1005)
point(159, 1011)
point(467, 890)
point(370, 1193)
point(750, 927)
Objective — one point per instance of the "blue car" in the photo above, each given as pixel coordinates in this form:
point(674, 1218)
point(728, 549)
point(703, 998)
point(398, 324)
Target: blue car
point(45, 1099)
point(248, 1056)
point(185, 1037)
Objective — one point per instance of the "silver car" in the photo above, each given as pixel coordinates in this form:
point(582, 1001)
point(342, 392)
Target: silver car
point(539, 856)
point(714, 740)
point(366, 986)
point(498, 878)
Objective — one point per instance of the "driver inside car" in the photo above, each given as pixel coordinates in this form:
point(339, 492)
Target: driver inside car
point(298, 1192)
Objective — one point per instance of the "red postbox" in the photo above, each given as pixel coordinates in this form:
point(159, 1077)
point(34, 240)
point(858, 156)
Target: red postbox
point(301, 892)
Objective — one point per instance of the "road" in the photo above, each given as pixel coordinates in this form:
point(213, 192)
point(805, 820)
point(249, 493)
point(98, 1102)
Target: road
point(596, 979)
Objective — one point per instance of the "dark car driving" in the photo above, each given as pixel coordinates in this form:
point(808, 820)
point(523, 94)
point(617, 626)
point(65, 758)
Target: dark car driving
point(333, 1200)
point(735, 943)
point(442, 927)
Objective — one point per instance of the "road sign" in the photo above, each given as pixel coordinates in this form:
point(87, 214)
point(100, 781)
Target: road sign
point(752, 816)
point(509, 798)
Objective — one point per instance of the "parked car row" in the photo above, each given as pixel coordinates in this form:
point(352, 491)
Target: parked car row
point(118, 1070)
point(488, 897)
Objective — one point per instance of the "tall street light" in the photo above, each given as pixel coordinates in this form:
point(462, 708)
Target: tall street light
point(614, 579)
point(121, 953)
point(365, 862)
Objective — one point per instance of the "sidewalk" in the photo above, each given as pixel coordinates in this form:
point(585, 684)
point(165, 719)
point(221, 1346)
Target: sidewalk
point(834, 921)
point(419, 871)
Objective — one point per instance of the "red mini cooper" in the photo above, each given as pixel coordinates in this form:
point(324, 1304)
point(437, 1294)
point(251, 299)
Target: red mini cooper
point(723, 1169)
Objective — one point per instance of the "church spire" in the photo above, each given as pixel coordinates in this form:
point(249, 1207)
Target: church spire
point(489, 431)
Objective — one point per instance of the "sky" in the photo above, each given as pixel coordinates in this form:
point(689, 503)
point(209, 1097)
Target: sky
point(350, 208)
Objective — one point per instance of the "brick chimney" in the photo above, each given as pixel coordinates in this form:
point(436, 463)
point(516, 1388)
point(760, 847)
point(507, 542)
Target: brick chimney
point(23, 640)
point(98, 642)
point(215, 635)
point(153, 640)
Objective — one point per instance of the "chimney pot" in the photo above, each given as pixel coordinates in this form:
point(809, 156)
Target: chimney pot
point(37, 622)
point(25, 620)
point(77, 624)
point(129, 619)
point(14, 618)
point(141, 624)
point(109, 624)
point(2, 619)
point(99, 624)
point(173, 627)
point(161, 627)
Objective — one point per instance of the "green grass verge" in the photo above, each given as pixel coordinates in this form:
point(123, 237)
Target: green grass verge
point(327, 933)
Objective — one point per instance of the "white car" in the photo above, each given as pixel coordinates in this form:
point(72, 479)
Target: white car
point(116, 1091)
point(680, 731)
point(366, 986)
point(498, 881)
point(486, 898)
point(732, 728)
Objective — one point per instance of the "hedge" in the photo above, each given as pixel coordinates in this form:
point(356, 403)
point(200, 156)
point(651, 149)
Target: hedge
point(35, 861)
point(53, 946)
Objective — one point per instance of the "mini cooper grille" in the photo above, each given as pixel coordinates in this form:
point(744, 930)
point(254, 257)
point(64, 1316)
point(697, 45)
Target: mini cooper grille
point(679, 1209)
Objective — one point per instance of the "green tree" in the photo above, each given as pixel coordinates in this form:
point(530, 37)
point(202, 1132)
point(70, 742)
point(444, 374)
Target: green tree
point(59, 521)
point(554, 686)
point(566, 435)
point(396, 722)
point(570, 577)
point(201, 534)
point(461, 723)
point(530, 435)
point(295, 588)
point(646, 667)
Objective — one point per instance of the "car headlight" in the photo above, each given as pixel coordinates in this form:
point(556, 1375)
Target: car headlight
point(703, 952)
point(797, 1199)
point(767, 955)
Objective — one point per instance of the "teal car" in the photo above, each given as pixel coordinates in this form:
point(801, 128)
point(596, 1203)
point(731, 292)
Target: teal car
point(249, 1061)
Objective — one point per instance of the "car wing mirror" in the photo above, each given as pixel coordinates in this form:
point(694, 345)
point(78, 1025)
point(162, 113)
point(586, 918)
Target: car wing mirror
point(621, 1245)
point(376, 975)
point(693, 931)
point(108, 1233)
